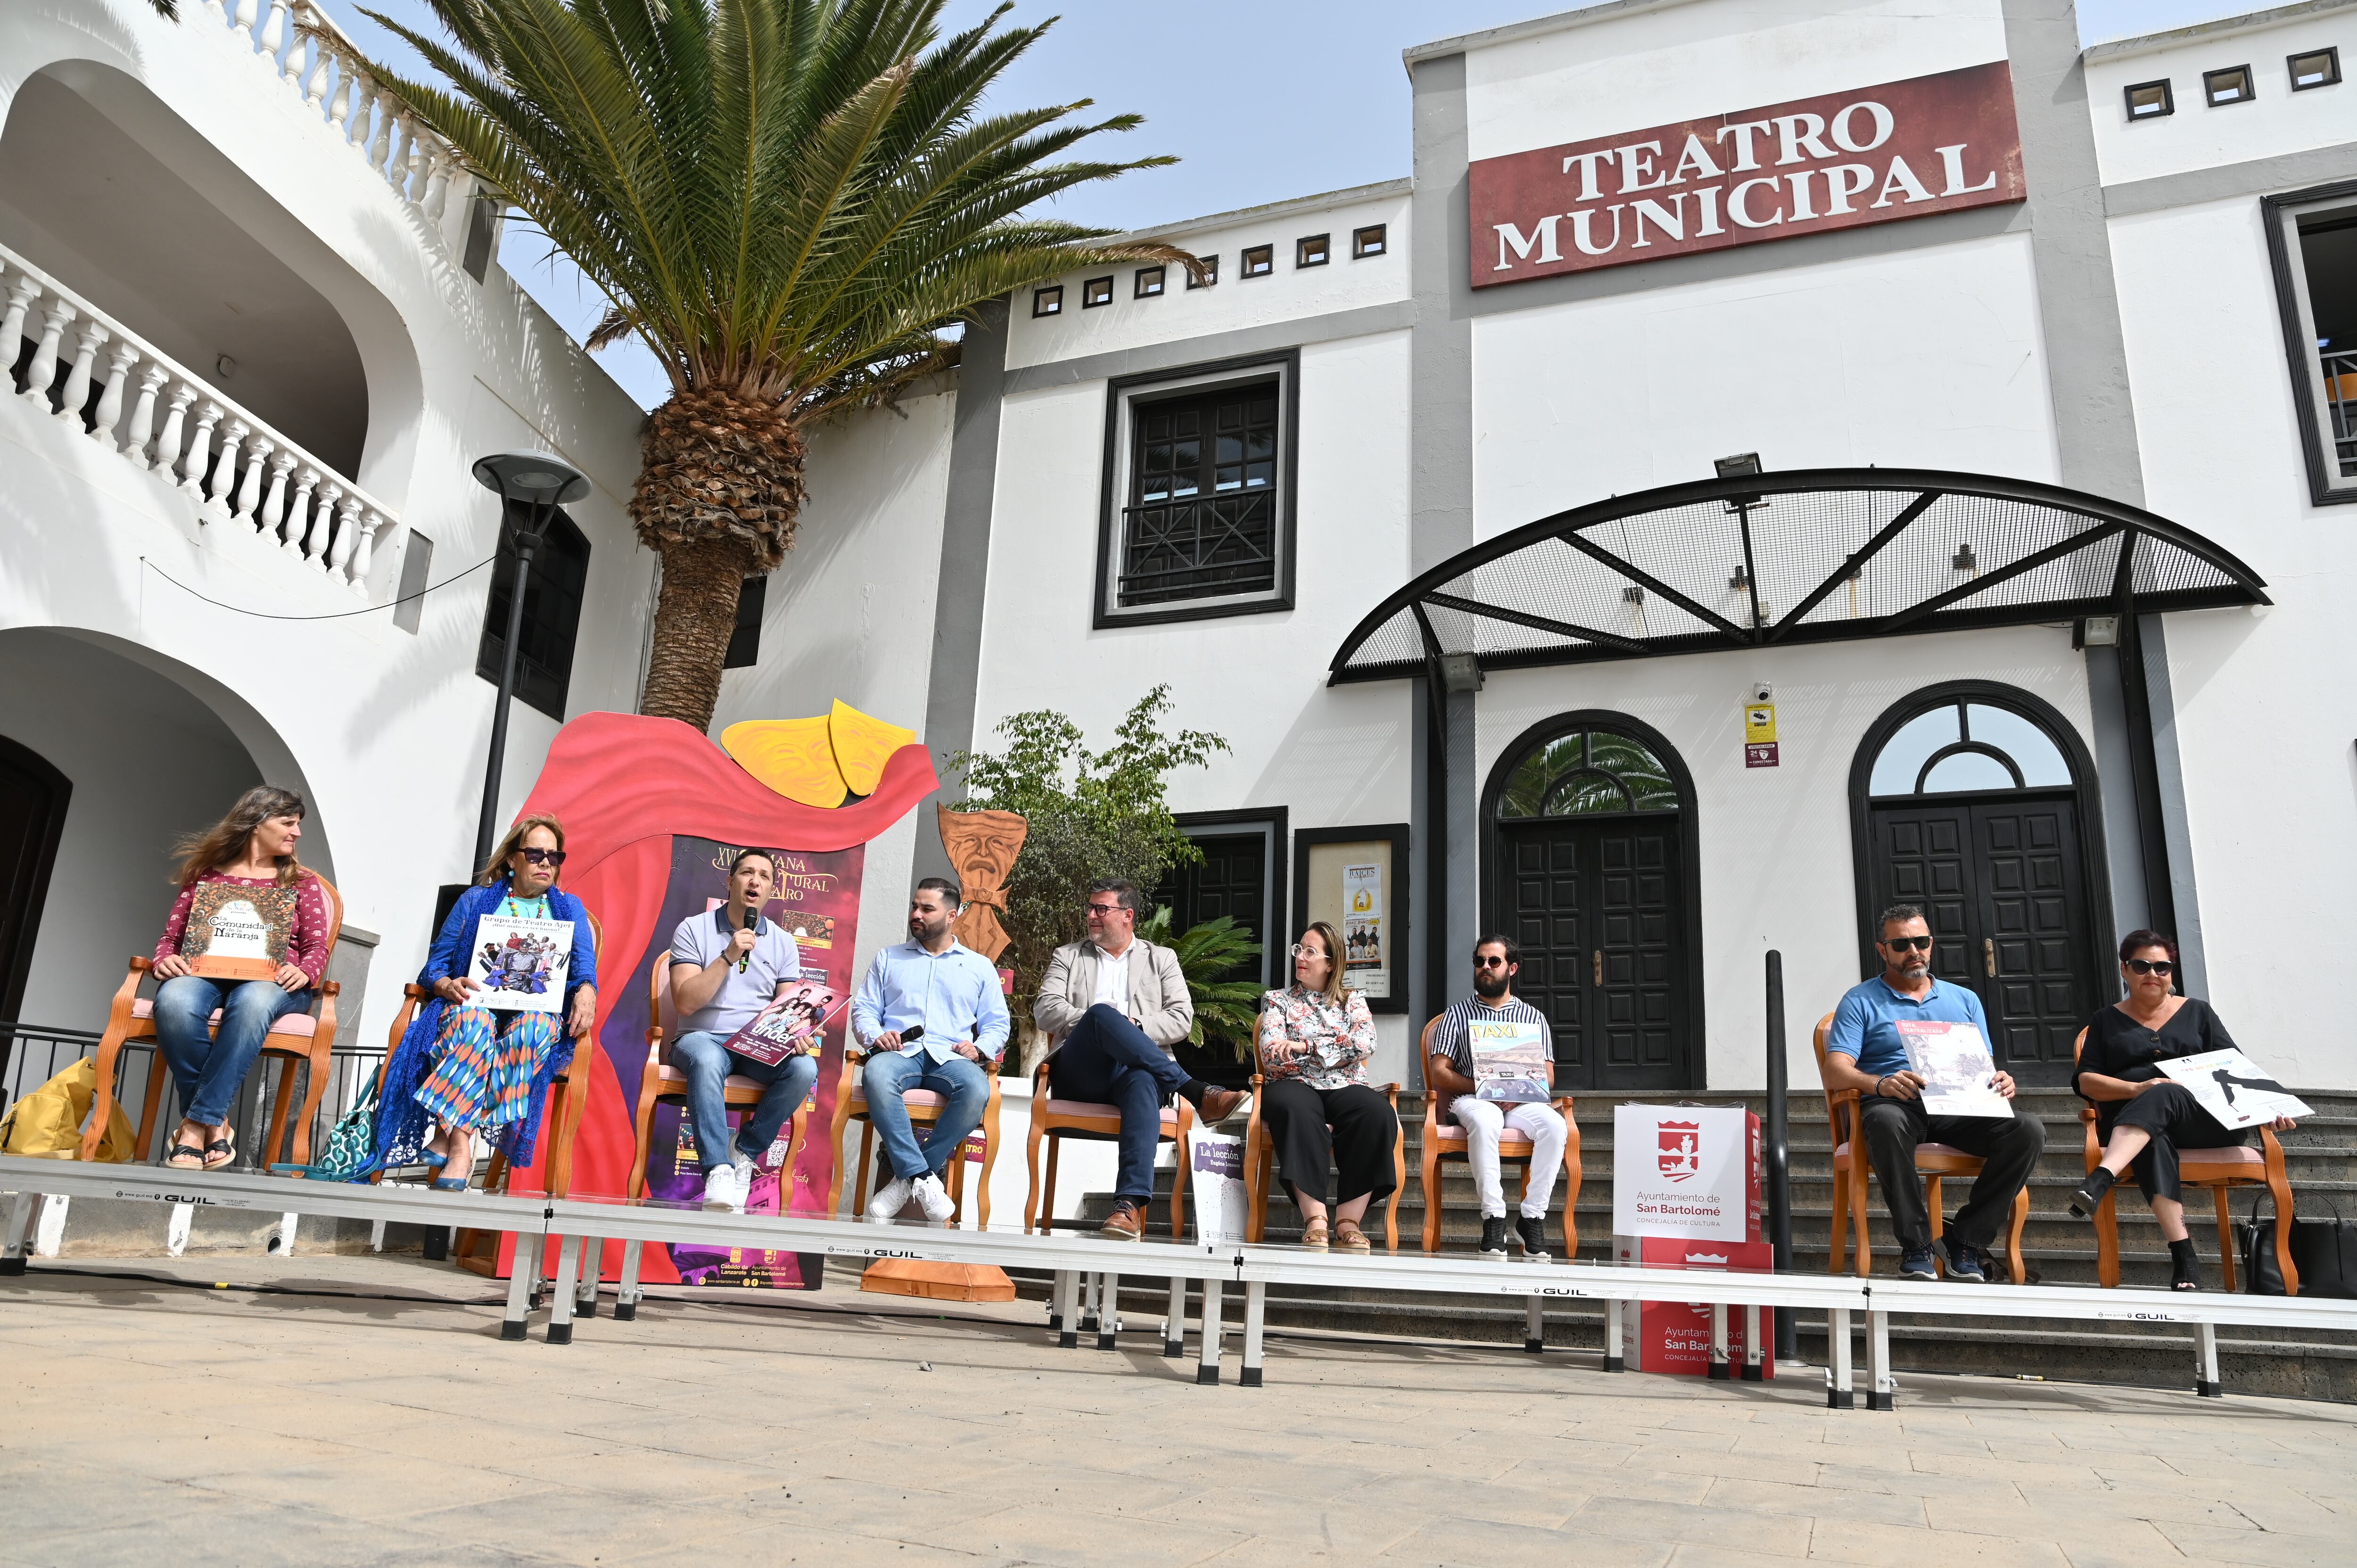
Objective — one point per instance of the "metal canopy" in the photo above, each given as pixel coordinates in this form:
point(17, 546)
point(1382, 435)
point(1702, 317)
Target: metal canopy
point(1814, 556)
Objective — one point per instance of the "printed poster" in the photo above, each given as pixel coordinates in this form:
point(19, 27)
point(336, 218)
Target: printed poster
point(789, 1026)
point(1959, 1075)
point(816, 892)
point(237, 932)
point(2233, 1089)
point(1362, 932)
point(520, 963)
point(1216, 1167)
point(1509, 1061)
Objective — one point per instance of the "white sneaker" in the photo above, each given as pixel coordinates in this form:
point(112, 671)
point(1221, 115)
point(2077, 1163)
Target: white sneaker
point(723, 1193)
point(935, 1198)
point(889, 1199)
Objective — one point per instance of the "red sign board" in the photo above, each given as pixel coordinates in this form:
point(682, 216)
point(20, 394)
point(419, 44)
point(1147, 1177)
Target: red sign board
point(1761, 754)
point(1905, 150)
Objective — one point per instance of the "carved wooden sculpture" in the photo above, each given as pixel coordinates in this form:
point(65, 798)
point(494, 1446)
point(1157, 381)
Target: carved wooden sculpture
point(982, 848)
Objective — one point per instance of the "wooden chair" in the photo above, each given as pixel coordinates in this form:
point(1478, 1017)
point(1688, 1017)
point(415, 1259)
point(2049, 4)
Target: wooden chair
point(2219, 1170)
point(1056, 1120)
point(662, 1084)
point(1852, 1168)
point(1259, 1159)
point(305, 1037)
point(924, 1108)
point(1445, 1140)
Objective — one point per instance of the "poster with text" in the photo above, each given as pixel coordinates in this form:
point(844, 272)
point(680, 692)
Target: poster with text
point(236, 931)
point(1216, 1168)
point(1953, 1062)
point(2233, 1089)
point(1688, 1171)
point(1363, 930)
point(817, 898)
point(517, 963)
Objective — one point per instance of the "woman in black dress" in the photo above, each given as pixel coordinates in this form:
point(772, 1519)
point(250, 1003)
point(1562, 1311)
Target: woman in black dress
point(2142, 1115)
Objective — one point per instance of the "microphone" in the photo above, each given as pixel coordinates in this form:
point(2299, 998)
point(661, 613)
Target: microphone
point(752, 919)
point(913, 1032)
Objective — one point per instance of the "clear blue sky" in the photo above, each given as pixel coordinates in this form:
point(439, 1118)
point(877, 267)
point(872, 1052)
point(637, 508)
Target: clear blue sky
point(1260, 100)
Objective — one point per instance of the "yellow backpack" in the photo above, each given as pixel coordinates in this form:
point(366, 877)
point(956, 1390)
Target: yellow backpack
point(48, 1121)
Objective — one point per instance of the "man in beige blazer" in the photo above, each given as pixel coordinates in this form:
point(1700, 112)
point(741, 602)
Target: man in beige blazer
point(1117, 1006)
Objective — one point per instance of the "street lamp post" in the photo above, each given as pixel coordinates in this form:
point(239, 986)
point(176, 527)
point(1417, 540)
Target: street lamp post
point(539, 484)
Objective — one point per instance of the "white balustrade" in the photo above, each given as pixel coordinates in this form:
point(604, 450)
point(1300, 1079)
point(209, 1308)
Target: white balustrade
point(245, 479)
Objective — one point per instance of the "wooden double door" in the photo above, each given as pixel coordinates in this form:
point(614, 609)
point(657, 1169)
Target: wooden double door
point(2001, 880)
point(1598, 903)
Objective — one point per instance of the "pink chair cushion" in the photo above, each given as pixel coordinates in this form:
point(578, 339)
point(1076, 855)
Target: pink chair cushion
point(1841, 1153)
point(1083, 1108)
point(929, 1097)
point(297, 1024)
point(1454, 1134)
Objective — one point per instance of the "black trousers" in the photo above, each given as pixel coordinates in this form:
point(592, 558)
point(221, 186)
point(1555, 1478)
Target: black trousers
point(2175, 1118)
point(2009, 1150)
point(1353, 1127)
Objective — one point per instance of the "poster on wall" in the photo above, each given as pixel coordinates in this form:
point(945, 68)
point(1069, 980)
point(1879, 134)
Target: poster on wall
point(1354, 879)
point(815, 892)
point(517, 963)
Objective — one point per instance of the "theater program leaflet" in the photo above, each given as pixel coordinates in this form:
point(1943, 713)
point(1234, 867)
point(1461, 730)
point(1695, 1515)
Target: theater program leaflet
point(1509, 1061)
point(519, 963)
point(2234, 1089)
point(1953, 1062)
point(788, 1027)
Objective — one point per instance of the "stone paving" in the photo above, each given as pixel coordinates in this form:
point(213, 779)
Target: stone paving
point(146, 1422)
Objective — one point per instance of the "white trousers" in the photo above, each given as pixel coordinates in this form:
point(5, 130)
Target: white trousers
point(1483, 1120)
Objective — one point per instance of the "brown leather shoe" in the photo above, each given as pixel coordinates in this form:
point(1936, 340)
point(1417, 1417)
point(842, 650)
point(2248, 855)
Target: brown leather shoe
point(1218, 1104)
point(1127, 1223)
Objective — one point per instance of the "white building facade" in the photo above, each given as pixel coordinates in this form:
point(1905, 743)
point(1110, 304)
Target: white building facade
point(1136, 479)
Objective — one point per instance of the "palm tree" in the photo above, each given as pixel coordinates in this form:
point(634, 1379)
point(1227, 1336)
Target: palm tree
point(790, 202)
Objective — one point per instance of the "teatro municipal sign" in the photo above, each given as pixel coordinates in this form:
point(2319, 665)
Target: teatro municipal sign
point(1932, 144)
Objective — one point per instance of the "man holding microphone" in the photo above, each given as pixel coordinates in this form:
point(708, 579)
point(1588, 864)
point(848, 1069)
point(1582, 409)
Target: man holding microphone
point(932, 1017)
point(725, 967)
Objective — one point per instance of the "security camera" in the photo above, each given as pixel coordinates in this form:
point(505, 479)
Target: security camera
point(1761, 691)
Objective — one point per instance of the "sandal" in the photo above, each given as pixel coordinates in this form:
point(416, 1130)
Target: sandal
point(1314, 1234)
point(450, 1184)
point(1351, 1239)
point(219, 1153)
point(185, 1157)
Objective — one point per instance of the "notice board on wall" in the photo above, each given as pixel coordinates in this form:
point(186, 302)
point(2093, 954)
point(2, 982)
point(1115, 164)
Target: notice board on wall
point(1355, 879)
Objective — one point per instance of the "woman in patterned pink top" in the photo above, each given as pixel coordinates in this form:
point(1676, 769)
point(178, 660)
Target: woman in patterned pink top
point(1314, 1038)
point(253, 847)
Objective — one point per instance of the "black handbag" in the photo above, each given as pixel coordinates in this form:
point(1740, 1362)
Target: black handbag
point(2323, 1251)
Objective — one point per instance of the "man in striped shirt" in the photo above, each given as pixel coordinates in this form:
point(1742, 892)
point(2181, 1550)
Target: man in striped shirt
point(1448, 1070)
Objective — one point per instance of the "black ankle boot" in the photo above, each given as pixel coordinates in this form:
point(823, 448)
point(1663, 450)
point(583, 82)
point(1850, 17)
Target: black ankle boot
point(2184, 1266)
point(2091, 1192)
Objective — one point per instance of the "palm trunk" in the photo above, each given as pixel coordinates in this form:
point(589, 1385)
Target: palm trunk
point(719, 496)
point(694, 618)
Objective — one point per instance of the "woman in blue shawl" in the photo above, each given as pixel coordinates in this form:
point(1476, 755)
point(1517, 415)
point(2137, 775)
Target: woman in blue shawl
point(464, 1069)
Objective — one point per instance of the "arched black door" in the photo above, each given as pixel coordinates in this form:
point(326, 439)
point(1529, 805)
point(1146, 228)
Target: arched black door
point(33, 798)
point(1592, 869)
point(1969, 803)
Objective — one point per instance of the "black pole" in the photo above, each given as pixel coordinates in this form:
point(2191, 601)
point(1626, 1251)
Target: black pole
point(1779, 1163)
point(526, 539)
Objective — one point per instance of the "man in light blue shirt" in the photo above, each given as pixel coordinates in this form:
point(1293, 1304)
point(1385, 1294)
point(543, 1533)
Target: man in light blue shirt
point(1863, 1051)
point(943, 993)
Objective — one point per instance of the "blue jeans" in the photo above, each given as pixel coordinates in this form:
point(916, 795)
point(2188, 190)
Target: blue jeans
point(208, 1068)
point(707, 1062)
point(1108, 1060)
point(965, 1087)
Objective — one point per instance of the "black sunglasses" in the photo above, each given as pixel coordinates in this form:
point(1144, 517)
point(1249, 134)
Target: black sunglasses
point(543, 856)
point(1489, 963)
point(1900, 944)
point(2150, 966)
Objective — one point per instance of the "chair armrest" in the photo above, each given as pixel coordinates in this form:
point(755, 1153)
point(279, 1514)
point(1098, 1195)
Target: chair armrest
point(1391, 1093)
point(1838, 1100)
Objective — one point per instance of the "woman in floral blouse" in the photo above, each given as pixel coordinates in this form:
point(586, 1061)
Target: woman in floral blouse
point(1314, 1038)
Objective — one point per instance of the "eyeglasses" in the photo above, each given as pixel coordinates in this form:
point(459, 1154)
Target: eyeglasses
point(1303, 949)
point(2148, 966)
point(543, 856)
point(1900, 944)
point(1112, 909)
point(1488, 963)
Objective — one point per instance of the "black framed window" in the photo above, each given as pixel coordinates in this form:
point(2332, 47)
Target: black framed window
point(2232, 85)
point(1315, 251)
point(1198, 511)
point(2315, 68)
point(1211, 265)
point(1259, 260)
point(1148, 284)
point(552, 613)
point(1371, 240)
point(2312, 242)
point(745, 641)
point(1096, 292)
point(1240, 875)
point(2150, 101)
point(1047, 301)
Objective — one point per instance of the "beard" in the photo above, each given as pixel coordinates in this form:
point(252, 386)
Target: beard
point(926, 931)
point(1488, 988)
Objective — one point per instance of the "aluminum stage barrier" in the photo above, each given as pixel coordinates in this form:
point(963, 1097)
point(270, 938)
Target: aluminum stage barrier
point(580, 1224)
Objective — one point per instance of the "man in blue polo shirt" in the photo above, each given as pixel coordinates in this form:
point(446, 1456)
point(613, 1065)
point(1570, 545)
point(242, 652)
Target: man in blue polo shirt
point(1863, 1052)
point(947, 995)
